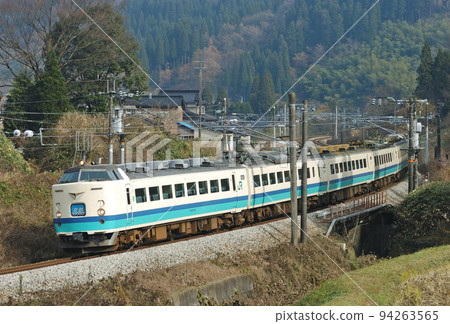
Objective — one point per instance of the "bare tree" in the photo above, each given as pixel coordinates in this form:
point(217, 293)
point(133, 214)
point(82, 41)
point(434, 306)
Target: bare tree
point(26, 26)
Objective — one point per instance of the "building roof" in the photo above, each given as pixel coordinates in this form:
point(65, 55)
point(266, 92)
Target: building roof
point(186, 125)
point(190, 96)
point(156, 102)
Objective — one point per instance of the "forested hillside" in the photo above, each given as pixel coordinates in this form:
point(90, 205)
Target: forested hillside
point(240, 40)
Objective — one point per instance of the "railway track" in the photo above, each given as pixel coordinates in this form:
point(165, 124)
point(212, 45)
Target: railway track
point(38, 265)
point(49, 263)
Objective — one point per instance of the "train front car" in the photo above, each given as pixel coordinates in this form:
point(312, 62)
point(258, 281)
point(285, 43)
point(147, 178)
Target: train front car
point(86, 210)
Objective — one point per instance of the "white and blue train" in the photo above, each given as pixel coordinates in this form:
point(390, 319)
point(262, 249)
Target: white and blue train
point(103, 207)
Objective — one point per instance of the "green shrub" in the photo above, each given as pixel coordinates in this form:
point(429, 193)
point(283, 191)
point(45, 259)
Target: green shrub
point(10, 158)
point(422, 220)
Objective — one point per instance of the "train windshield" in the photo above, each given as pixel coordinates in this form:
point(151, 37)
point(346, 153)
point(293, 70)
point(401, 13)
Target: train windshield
point(96, 175)
point(69, 177)
point(90, 175)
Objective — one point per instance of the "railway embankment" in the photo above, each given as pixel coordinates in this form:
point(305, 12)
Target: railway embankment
point(281, 274)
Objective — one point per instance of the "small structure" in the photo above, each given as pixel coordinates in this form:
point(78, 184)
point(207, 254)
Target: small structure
point(186, 130)
point(162, 110)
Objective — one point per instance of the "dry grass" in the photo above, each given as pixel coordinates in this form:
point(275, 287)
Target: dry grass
point(26, 225)
point(429, 289)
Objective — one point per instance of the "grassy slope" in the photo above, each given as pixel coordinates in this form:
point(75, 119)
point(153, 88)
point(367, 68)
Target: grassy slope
point(10, 158)
point(26, 225)
point(416, 279)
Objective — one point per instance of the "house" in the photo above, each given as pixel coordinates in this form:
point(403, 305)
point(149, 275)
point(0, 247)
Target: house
point(161, 110)
point(190, 98)
point(176, 111)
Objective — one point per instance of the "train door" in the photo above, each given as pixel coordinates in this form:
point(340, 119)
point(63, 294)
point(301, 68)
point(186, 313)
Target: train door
point(235, 186)
point(129, 203)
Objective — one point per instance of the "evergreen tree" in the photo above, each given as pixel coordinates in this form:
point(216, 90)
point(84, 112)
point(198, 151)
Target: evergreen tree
point(208, 96)
point(19, 102)
point(440, 71)
point(267, 92)
point(424, 78)
point(221, 95)
point(254, 94)
point(51, 91)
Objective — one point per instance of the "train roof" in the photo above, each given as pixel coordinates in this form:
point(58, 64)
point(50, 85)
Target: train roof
point(137, 170)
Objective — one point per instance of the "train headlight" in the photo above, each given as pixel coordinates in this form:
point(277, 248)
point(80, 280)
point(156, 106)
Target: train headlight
point(58, 214)
point(101, 212)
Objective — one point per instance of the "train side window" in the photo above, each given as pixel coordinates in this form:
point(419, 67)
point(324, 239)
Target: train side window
point(257, 180)
point(308, 173)
point(179, 190)
point(272, 178)
point(154, 193)
point(264, 179)
point(234, 182)
point(357, 164)
point(225, 184)
point(349, 165)
point(318, 171)
point(141, 197)
point(332, 168)
point(128, 196)
point(203, 187)
point(214, 185)
point(314, 172)
point(287, 177)
point(345, 166)
point(167, 192)
point(360, 163)
point(191, 188)
point(365, 163)
point(341, 168)
point(300, 173)
point(336, 168)
point(280, 177)
point(353, 165)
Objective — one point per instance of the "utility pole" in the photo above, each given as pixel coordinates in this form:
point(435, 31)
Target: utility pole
point(111, 114)
point(224, 113)
point(122, 149)
point(426, 141)
point(343, 128)
point(303, 234)
point(274, 126)
point(437, 150)
point(200, 67)
point(336, 125)
point(411, 151)
point(293, 169)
